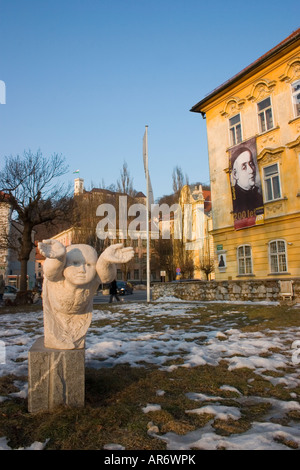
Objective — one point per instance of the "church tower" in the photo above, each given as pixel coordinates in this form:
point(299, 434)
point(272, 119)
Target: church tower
point(78, 186)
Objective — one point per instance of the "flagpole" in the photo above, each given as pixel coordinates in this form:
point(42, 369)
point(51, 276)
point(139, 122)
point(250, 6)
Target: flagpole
point(147, 212)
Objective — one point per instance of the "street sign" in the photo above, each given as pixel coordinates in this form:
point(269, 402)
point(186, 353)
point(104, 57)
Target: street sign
point(178, 270)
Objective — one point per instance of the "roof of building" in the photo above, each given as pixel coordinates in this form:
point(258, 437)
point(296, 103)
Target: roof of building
point(292, 38)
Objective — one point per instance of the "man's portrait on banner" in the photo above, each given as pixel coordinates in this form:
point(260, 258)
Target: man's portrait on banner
point(245, 185)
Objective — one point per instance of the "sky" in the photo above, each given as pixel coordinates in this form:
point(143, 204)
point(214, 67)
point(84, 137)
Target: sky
point(84, 77)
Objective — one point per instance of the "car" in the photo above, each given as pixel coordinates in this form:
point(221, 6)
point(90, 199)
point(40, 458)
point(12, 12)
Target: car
point(124, 288)
point(10, 293)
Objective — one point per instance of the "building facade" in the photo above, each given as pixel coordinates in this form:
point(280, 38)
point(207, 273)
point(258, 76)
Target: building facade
point(253, 134)
point(85, 231)
point(10, 266)
point(197, 223)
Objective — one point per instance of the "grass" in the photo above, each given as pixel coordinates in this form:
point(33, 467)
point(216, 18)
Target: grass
point(115, 396)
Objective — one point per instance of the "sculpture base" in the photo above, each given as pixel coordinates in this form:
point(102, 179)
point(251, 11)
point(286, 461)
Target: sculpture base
point(55, 377)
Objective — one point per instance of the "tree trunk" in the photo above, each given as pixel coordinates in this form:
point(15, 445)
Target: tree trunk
point(25, 254)
point(23, 280)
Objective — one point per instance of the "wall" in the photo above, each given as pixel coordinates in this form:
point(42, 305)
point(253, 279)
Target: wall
point(280, 145)
point(286, 228)
point(247, 290)
point(273, 81)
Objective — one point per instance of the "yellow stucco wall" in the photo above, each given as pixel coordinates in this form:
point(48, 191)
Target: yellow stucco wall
point(279, 145)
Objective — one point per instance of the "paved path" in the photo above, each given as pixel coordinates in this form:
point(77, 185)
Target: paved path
point(138, 295)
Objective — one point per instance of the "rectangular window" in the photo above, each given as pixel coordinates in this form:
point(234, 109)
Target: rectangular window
point(278, 258)
point(119, 275)
point(296, 97)
point(235, 129)
point(244, 259)
point(272, 182)
point(265, 115)
point(136, 274)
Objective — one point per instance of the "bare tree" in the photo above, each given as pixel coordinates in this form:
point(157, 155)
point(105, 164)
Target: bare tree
point(183, 259)
point(29, 184)
point(125, 183)
point(206, 264)
point(84, 218)
point(164, 256)
point(179, 180)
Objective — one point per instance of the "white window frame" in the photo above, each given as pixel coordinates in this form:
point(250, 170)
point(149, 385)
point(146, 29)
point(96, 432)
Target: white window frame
point(234, 140)
point(295, 112)
point(271, 177)
point(243, 258)
point(279, 257)
point(261, 131)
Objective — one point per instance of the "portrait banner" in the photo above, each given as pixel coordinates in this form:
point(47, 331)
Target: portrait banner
point(246, 190)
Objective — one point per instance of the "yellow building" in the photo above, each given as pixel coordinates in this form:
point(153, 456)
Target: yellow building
point(253, 133)
point(197, 243)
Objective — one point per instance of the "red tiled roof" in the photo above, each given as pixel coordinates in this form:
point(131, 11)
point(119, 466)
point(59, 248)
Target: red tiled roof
point(207, 200)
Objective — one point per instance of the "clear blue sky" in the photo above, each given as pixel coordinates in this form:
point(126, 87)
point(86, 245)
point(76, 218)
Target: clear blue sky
point(84, 77)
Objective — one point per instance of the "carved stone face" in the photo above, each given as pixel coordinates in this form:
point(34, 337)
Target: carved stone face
point(80, 264)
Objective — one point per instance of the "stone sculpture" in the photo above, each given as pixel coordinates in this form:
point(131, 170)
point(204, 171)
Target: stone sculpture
point(71, 278)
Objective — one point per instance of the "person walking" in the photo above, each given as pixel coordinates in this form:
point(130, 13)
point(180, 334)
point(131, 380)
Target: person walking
point(113, 291)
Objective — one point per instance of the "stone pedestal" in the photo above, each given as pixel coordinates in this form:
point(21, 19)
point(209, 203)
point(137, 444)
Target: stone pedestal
point(55, 377)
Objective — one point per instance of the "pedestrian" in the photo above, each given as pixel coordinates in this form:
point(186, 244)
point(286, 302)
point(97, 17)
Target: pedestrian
point(2, 287)
point(113, 291)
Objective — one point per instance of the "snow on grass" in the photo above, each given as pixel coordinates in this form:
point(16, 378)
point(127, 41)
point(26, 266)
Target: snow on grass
point(151, 407)
point(261, 436)
point(157, 333)
point(35, 446)
point(219, 411)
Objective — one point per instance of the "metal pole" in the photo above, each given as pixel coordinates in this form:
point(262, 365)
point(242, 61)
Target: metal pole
point(147, 215)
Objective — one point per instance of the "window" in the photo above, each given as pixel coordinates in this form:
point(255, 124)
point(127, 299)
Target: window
point(278, 257)
point(244, 259)
point(272, 182)
point(235, 129)
point(296, 97)
point(136, 274)
point(265, 115)
point(119, 275)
